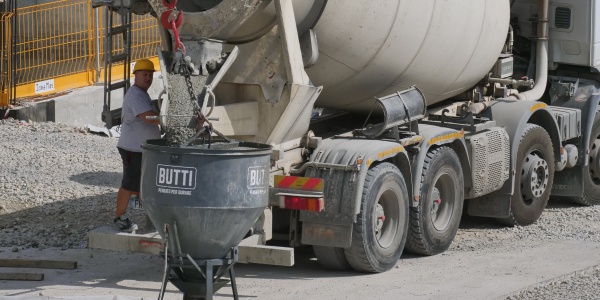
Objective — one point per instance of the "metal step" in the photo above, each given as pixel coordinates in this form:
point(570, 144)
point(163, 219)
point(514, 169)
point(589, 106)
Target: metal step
point(111, 116)
point(119, 29)
point(118, 57)
point(117, 85)
point(114, 3)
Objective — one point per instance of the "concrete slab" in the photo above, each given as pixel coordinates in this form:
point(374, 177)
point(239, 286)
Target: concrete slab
point(78, 107)
point(108, 238)
point(251, 251)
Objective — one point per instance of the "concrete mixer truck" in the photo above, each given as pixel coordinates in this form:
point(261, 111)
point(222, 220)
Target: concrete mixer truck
point(388, 119)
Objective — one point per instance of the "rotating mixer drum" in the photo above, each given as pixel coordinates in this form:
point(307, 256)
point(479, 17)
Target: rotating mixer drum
point(375, 48)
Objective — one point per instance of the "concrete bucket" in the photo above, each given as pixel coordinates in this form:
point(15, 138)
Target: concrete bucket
point(203, 199)
point(208, 197)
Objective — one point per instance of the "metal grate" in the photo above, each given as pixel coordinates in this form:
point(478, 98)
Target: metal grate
point(54, 40)
point(480, 171)
point(490, 166)
point(562, 18)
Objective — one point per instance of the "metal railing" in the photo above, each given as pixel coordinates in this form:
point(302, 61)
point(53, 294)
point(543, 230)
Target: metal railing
point(59, 46)
point(6, 86)
point(54, 39)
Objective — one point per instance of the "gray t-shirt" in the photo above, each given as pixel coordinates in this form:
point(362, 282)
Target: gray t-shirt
point(134, 131)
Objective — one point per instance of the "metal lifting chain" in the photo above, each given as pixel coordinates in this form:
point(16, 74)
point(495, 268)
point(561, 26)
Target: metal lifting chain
point(185, 62)
point(180, 61)
point(200, 118)
point(188, 82)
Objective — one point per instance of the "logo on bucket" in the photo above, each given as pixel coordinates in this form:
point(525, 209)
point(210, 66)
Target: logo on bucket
point(258, 180)
point(176, 177)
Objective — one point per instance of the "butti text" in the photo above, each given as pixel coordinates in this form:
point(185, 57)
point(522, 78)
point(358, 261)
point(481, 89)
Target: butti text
point(176, 177)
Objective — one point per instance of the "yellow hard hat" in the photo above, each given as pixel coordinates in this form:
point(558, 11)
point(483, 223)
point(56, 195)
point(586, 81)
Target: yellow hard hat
point(143, 65)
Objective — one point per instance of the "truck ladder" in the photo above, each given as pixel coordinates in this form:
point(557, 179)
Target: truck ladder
point(114, 56)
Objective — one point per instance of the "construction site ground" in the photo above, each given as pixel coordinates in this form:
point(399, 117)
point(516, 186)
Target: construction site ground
point(58, 184)
point(491, 273)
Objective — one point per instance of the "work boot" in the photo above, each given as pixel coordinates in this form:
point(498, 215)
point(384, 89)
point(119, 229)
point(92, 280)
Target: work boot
point(124, 224)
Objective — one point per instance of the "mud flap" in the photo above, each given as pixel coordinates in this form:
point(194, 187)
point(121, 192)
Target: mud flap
point(326, 235)
point(491, 206)
point(333, 226)
point(569, 182)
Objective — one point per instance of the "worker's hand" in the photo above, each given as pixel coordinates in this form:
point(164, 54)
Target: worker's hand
point(151, 113)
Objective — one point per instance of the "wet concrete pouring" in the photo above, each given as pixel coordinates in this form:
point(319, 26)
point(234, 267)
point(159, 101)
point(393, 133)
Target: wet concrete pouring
point(180, 124)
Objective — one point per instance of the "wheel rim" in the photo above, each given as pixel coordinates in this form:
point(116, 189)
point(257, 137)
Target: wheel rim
point(386, 218)
point(534, 178)
point(595, 162)
point(442, 200)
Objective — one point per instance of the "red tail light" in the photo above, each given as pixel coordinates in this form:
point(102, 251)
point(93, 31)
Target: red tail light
point(301, 203)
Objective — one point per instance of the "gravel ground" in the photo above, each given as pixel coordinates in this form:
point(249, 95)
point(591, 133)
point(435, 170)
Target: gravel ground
point(58, 182)
point(561, 221)
point(581, 285)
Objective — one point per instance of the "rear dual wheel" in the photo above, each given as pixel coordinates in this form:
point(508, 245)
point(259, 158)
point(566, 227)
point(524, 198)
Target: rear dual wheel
point(434, 222)
point(380, 231)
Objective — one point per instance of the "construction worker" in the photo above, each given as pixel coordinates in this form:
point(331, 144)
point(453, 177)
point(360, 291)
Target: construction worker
point(135, 130)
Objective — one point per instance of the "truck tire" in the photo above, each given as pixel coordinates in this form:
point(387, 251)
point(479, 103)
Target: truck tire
point(434, 222)
point(533, 177)
point(332, 258)
point(591, 176)
point(379, 234)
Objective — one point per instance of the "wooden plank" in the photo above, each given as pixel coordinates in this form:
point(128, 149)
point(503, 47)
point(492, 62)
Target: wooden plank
point(266, 255)
point(22, 276)
point(37, 263)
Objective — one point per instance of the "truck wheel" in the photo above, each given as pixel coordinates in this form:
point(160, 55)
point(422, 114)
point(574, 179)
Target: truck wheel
point(591, 178)
point(533, 178)
point(332, 258)
point(434, 222)
point(379, 234)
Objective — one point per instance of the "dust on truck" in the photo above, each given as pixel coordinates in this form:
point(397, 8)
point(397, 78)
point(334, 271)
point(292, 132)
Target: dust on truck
point(393, 113)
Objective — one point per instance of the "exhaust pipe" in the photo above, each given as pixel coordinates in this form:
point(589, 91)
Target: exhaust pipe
point(541, 75)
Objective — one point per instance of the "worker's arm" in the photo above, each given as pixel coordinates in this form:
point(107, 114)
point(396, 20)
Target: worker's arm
point(149, 113)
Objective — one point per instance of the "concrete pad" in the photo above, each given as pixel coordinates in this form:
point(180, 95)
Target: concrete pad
point(78, 107)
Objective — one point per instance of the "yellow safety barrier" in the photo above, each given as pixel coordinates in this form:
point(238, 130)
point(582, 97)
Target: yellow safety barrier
point(60, 46)
point(5, 59)
point(54, 47)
